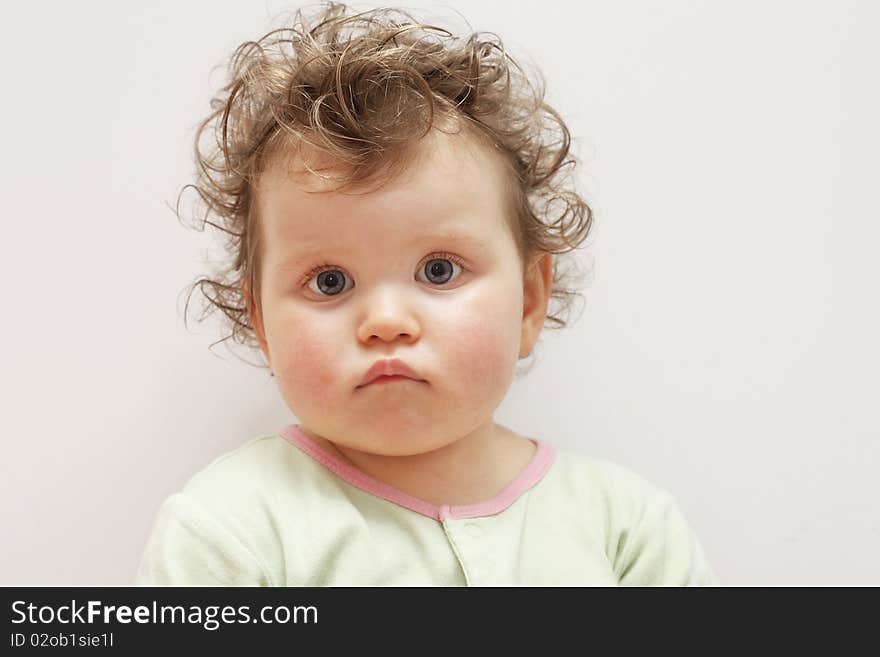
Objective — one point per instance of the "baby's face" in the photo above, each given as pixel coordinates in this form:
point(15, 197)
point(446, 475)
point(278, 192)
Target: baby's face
point(424, 269)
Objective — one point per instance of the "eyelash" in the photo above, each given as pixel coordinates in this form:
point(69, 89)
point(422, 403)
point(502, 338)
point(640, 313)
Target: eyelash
point(328, 266)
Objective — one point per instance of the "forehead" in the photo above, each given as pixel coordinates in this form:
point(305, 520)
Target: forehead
point(456, 188)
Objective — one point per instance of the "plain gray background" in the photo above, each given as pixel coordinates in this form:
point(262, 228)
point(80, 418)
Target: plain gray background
point(727, 349)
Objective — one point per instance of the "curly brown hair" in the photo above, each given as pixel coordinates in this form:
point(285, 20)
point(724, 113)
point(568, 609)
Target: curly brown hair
point(363, 88)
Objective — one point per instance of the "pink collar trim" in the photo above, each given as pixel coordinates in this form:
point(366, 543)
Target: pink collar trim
point(530, 475)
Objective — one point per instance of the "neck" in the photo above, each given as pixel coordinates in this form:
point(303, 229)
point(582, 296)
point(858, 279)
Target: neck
point(469, 470)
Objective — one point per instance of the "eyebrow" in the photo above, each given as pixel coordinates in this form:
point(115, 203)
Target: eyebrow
point(449, 237)
point(302, 248)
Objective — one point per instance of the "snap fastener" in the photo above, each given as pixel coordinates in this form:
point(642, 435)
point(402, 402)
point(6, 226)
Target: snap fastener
point(473, 529)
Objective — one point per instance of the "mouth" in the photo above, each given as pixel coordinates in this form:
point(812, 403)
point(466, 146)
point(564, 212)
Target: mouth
point(389, 379)
point(389, 370)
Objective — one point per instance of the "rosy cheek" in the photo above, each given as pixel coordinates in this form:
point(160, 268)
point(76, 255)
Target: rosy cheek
point(311, 364)
point(480, 349)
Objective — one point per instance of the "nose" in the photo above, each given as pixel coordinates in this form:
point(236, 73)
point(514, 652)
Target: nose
point(388, 316)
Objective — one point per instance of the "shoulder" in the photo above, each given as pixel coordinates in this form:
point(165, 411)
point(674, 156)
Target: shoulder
point(223, 525)
point(242, 462)
point(266, 483)
point(645, 534)
point(604, 480)
point(265, 465)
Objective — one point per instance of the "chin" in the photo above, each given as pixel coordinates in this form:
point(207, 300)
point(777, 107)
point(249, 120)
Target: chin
point(394, 441)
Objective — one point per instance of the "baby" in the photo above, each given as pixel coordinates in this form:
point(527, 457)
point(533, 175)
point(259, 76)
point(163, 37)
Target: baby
point(395, 200)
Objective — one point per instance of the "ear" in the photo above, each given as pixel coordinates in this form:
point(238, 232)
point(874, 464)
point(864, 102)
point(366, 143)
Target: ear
point(256, 320)
point(537, 283)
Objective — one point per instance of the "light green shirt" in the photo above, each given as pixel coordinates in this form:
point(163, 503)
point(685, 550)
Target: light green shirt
point(281, 511)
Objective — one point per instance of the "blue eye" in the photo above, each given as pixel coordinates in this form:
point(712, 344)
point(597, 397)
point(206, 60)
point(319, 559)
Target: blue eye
point(332, 279)
point(329, 280)
point(441, 268)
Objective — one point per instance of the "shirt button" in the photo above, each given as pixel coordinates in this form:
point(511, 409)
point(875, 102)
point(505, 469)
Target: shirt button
point(473, 529)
